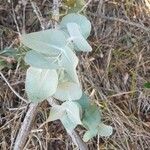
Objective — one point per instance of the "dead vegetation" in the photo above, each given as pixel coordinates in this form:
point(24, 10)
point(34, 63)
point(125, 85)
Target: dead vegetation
point(113, 74)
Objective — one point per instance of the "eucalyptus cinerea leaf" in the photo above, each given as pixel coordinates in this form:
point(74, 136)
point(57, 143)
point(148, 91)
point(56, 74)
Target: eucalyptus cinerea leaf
point(92, 117)
point(80, 20)
point(67, 61)
point(105, 130)
point(68, 89)
point(52, 51)
point(43, 61)
point(70, 64)
point(84, 101)
point(92, 122)
point(40, 84)
point(78, 40)
point(102, 130)
point(48, 41)
point(68, 113)
point(89, 134)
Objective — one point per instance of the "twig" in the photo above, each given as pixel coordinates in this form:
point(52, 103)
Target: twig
point(26, 127)
point(38, 14)
point(55, 12)
point(84, 6)
point(14, 16)
point(78, 141)
point(12, 88)
point(122, 20)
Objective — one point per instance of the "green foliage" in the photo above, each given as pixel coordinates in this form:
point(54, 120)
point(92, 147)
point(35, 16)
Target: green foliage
point(67, 89)
point(102, 130)
point(83, 23)
point(40, 83)
point(9, 52)
point(91, 120)
point(78, 40)
point(49, 42)
point(52, 72)
point(39, 60)
point(68, 113)
point(147, 85)
point(7, 57)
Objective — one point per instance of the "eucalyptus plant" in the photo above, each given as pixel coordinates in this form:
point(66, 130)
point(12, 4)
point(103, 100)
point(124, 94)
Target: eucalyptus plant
point(52, 73)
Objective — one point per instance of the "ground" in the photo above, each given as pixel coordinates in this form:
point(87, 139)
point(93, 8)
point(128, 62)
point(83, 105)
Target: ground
point(113, 74)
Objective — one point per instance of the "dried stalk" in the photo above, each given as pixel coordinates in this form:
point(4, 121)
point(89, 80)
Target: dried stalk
point(26, 127)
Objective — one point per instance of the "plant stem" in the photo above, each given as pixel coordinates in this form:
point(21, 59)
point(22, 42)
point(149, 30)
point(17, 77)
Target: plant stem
point(26, 127)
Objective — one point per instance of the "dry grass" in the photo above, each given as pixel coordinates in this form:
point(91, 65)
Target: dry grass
point(113, 75)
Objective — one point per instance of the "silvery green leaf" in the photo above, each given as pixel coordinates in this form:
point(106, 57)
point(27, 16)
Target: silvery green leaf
point(42, 61)
point(78, 40)
point(84, 101)
point(102, 130)
point(69, 63)
point(92, 117)
point(68, 91)
point(80, 20)
point(93, 124)
point(89, 134)
point(40, 83)
point(53, 45)
point(105, 130)
point(68, 113)
point(48, 41)
point(72, 117)
point(56, 112)
point(68, 123)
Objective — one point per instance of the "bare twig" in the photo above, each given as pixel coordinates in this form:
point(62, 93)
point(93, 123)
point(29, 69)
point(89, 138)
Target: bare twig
point(122, 20)
point(55, 12)
point(26, 127)
point(14, 16)
point(84, 6)
point(12, 88)
point(78, 141)
point(38, 14)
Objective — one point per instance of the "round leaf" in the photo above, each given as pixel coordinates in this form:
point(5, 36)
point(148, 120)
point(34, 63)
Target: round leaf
point(68, 113)
point(105, 130)
point(80, 20)
point(92, 117)
point(42, 61)
point(68, 91)
point(89, 134)
point(80, 43)
point(48, 41)
point(40, 83)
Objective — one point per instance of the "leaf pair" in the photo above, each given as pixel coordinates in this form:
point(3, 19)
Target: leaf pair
point(92, 120)
point(40, 83)
point(68, 113)
point(71, 112)
point(43, 83)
